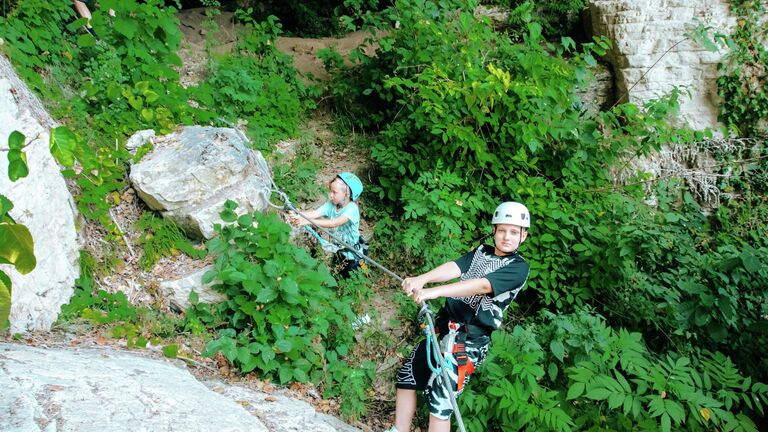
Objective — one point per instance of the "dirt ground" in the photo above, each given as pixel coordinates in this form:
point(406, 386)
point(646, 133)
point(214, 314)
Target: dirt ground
point(198, 31)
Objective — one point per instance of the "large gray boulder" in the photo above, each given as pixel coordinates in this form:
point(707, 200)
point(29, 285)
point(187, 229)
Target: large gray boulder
point(191, 173)
point(43, 203)
point(177, 290)
point(281, 413)
point(105, 390)
point(642, 31)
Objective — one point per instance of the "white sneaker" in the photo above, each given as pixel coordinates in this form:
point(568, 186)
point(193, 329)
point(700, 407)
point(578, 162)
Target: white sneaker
point(361, 321)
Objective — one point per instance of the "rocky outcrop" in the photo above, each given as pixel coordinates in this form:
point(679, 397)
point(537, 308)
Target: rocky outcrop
point(43, 203)
point(100, 389)
point(177, 291)
point(190, 174)
point(642, 31)
point(497, 15)
point(281, 413)
point(599, 94)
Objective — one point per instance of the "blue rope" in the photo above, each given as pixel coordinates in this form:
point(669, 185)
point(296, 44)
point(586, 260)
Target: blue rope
point(432, 351)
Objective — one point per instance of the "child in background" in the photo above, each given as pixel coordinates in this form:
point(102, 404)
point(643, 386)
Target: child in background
point(81, 6)
point(341, 216)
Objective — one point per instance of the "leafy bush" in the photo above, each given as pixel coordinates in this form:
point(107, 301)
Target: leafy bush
point(317, 18)
point(557, 18)
point(245, 85)
point(37, 38)
point(743, 85)
point(573, 372)
point(283, 317)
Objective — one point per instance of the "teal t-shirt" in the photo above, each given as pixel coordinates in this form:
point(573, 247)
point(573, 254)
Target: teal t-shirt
point(349, 232)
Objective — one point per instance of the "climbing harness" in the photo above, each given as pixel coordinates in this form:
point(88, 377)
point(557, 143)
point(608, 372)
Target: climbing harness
point(425, 313)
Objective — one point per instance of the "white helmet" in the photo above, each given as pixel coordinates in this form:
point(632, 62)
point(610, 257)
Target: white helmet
point(512, 213)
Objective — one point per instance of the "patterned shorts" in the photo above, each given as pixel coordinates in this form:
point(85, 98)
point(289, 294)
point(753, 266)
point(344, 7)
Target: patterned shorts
point(415, 374)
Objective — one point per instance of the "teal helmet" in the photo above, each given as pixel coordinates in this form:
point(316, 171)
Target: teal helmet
point(353, 182)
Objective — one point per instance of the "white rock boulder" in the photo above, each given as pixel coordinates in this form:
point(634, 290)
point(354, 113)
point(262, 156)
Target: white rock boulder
point(643, 30)
point(190, 174)
point(177, 291)
point(43, 203)
point(87, 389)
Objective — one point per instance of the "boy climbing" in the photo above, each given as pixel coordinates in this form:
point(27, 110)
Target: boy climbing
point(490, 278)
point(341, 215)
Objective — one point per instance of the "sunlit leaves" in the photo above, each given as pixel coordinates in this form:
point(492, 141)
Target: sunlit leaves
point(63, 145)
point(17, 159)
point(5, 299)
point(17, 247)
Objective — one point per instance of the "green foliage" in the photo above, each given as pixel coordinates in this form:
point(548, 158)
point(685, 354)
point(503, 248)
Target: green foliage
point(36, 38)
point(160, 237)
point(572, 372)
point(138, 325)
point(280, 309)
point(243, 85)
point(351, 383)
point(298, 175)
point(97, 306)
point(318, 18)
point(743, 83)
point(557, 18)
point(99, 171)
point(17, 247)
point(282, 317)
point(17, 160)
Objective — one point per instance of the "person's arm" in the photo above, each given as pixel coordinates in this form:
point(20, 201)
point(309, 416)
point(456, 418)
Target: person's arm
point(463, 288)
point(312, 214)
point(82, 10)
point(325, 223)
point(441, 273)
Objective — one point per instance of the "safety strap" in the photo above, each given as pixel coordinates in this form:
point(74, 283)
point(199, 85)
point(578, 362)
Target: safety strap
point(464, 365)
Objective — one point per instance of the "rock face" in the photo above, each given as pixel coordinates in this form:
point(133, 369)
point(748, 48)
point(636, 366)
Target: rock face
point(99, 389)
point(282, 414)
point(191, 173)
point(641, 32)
point(177, 290)
point(43, 203)
point(599, 94)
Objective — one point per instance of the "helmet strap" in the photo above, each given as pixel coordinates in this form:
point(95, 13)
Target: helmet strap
point(345, 201)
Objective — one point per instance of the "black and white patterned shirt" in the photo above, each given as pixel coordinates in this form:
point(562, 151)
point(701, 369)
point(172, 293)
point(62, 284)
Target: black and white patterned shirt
point(507, 275)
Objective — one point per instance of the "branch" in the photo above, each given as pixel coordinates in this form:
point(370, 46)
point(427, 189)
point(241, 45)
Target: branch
point(626, 93)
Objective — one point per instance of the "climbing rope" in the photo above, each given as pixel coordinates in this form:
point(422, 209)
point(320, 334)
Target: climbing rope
point(425, 312)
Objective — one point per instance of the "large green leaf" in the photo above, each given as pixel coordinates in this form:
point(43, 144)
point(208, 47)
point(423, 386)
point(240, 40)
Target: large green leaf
point(17, 247)
point(63, 143)
point(126, 27)
point(5, 206)
point(17, 164)
point(16, 140)
point(5, 300)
